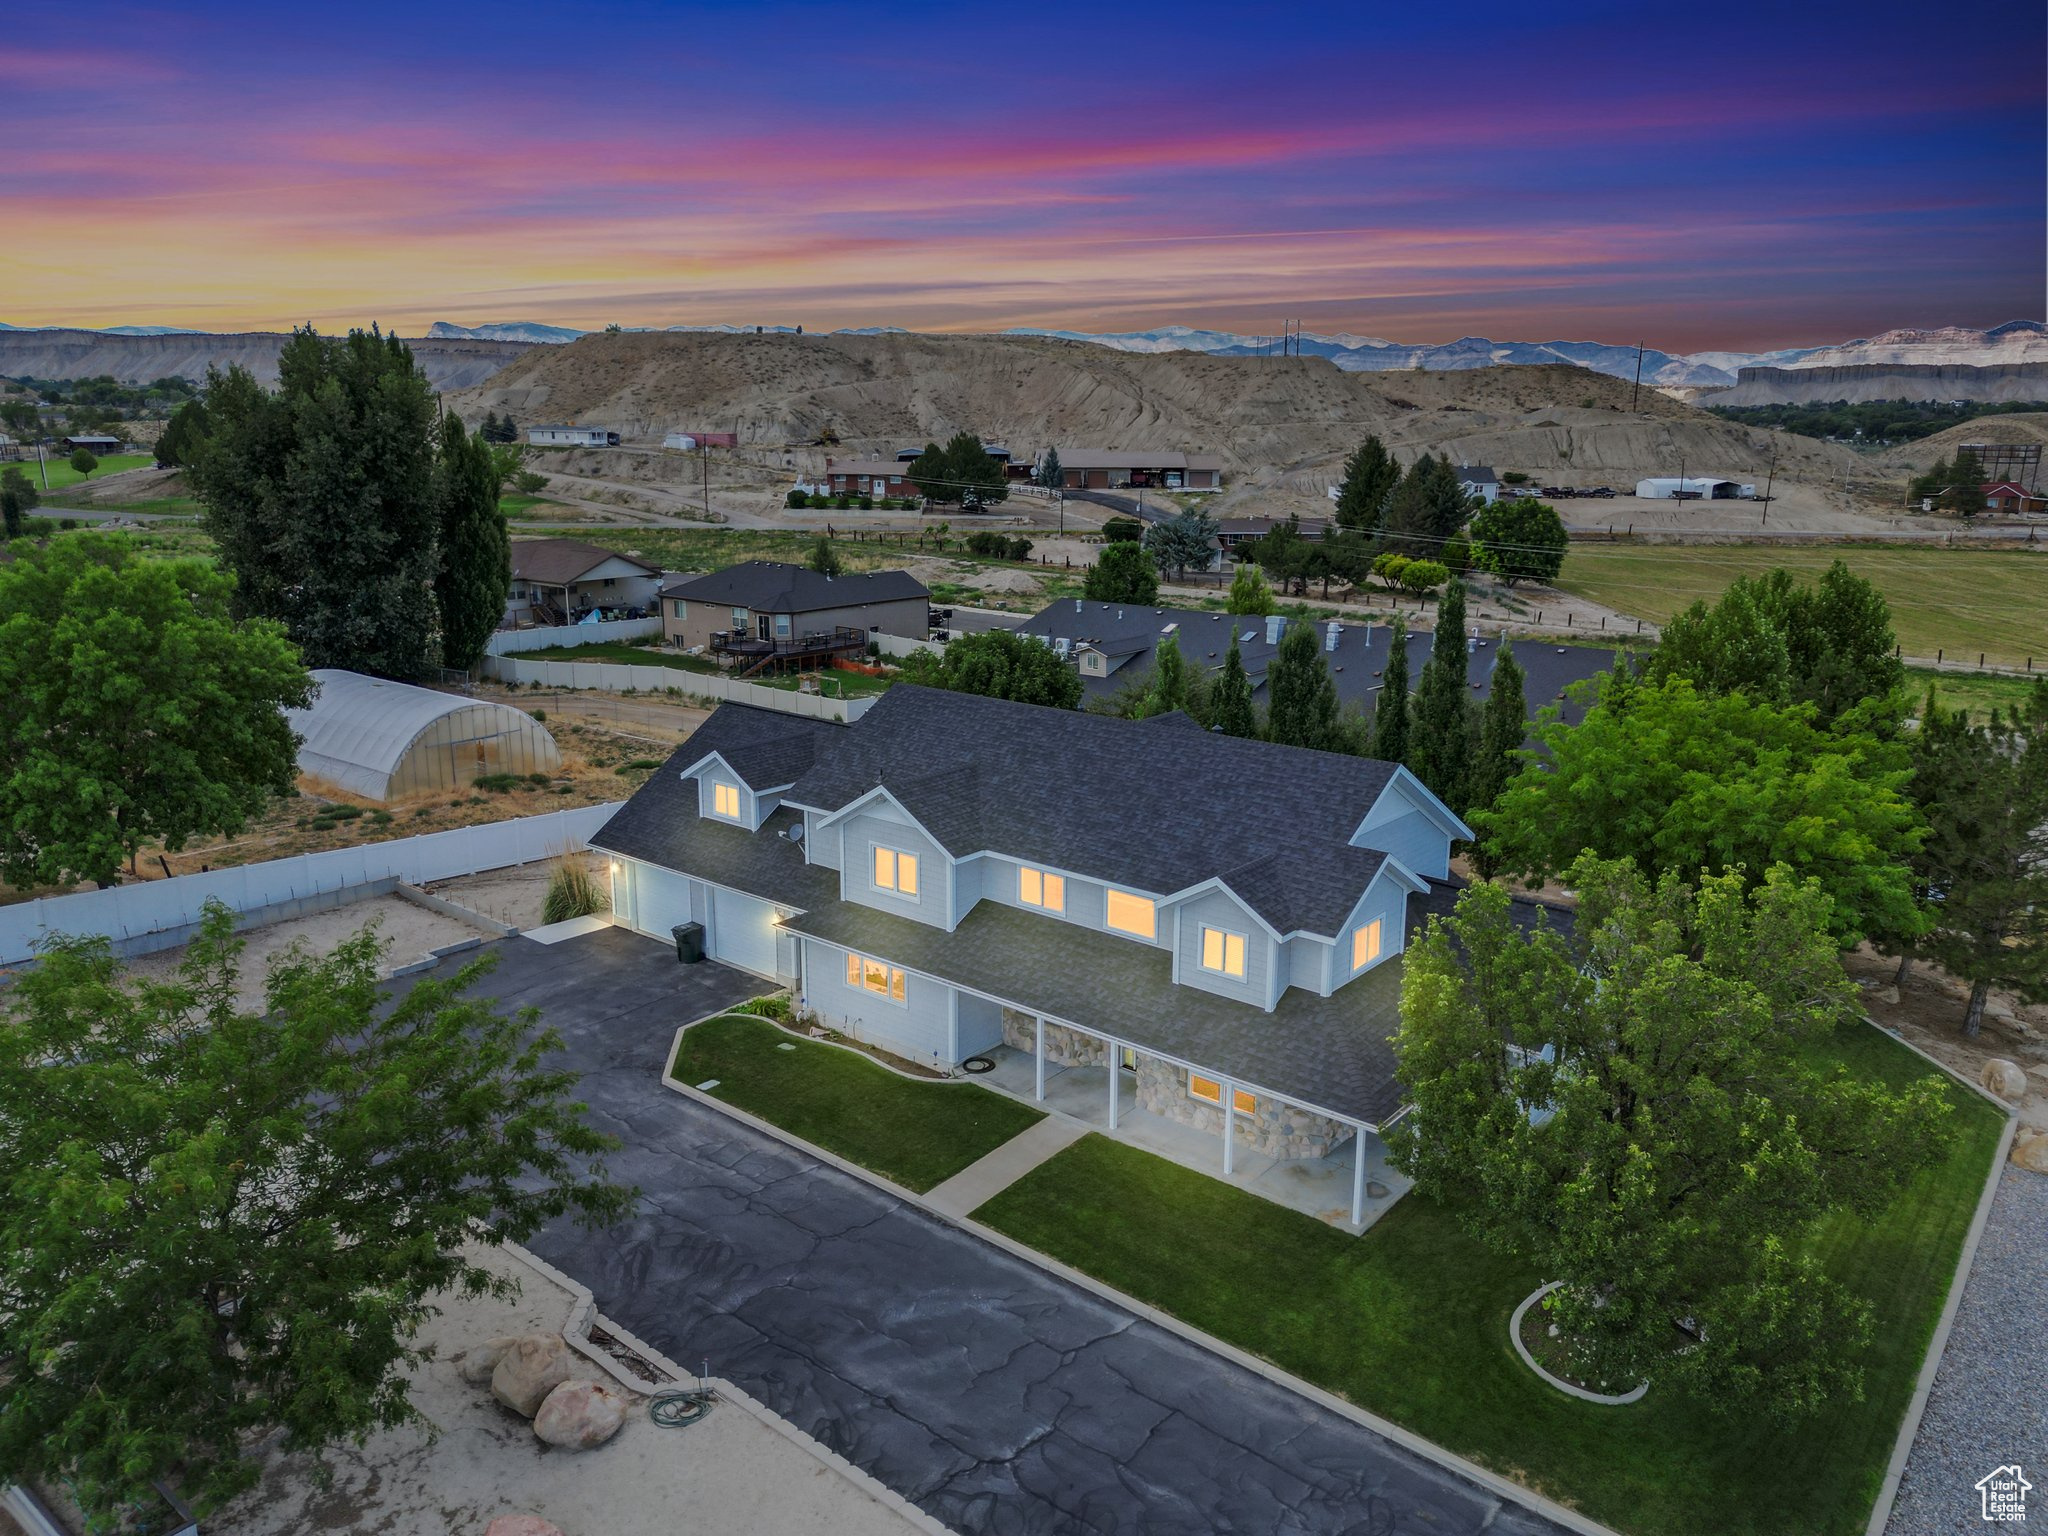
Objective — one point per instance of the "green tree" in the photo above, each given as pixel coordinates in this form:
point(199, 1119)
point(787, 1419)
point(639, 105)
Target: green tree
point(1503, 725)
point(1426, 508)
point(179, 442)
point(1634, 1112)
point(999, 664)
point(1050, 475)
point(1230, 701)
point(1122, 530)
point(1984, 866)
point(961, 471)
point(1422, 577)
point(221, 1223)
point(824, 558)
point(1679, 781)
point(475, 575)
point(1440, 745)
point(1124, 574)
point(18, 498)
point(1249, 592)
point(1390, 706)
point(1965, 493)
point(1285, 556)
point(491, 428)
point(321, 496)
point(1301, 696)
point(1370, 475)
point(1168, 689)
point(1179, 542)
point(1519, 540)
point(133, 709)
point(83, 461)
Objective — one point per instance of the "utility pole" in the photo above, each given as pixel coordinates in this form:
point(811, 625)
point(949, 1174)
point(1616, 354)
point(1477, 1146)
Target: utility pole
point(43, 468)
point(1770, 480)
point(704, 458)
point(1638, 389)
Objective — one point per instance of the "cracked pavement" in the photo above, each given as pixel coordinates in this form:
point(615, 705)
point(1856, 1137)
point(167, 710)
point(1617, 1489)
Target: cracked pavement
point(995, 1396)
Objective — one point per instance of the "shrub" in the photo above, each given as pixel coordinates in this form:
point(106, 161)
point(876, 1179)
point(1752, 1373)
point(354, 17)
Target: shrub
point(500, 783)
point(820, 503)
point(775, 1006)
point(67, 523)
point(540, 714)
point(1020, 549)
point(573, 891)
point(867, 503)
point(795, 499)
point(842, 501)
point(540, 779)
point(639, 765)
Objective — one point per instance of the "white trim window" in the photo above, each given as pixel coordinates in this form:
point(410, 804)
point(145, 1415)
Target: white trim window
point(725, 800)
point(868, 975)
point(1365, 944)
point(1223, 952)
point(1209, 1091)
point(1041, 888)
point(896, 871)
point(1132, 914)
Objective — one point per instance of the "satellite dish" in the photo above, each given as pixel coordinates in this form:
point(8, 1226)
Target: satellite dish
point(796, 833)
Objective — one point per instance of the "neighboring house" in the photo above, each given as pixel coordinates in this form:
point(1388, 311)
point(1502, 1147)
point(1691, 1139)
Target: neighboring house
point(2006, 496)
point(690, 441)
point(1233, 531)
point(95, 443)
point(558, 581)
point(869, 477)
point(954, 876)
point(572, 437)
point(1112, 643)
point(1093, 469)
point(1480, 480)
point(765, 612)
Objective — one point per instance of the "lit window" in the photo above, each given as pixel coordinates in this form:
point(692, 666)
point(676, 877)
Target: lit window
point(1131, 914)
point(1209, 1091)
point(1365, 944)
point(874, 976)
point(725, 801)
point(1037, 888)
point(896, 871)
point(1223, 952)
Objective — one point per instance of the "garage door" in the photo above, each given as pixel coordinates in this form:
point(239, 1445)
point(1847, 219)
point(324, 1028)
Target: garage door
point(661, 900)
point(741, 933)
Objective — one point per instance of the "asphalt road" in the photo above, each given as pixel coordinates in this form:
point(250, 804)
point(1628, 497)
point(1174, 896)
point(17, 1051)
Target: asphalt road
point(995, 1396)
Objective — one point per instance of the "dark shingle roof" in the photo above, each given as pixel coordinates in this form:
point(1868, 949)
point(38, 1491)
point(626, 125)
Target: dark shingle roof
point(1156, 808)
point(765, 747)
point(769, 586)
point(553, 561)
point(1332, 1053)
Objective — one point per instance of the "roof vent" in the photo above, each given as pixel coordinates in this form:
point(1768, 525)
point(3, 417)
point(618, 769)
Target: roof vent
point(1077, 605)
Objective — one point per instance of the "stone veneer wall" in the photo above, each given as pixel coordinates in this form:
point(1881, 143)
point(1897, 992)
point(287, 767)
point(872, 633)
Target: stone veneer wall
point(1276, 1128)
point(1063, 1046)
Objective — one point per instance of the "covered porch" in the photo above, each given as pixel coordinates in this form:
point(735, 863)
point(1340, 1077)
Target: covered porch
point(1350, 1186)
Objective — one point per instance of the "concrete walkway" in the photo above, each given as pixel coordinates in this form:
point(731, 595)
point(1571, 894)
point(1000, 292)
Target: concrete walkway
point(982, 1181)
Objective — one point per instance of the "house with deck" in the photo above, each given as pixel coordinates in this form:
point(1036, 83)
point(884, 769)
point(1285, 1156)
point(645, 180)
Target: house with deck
point(562, 581)
point(766, 614)
point(1184, 929)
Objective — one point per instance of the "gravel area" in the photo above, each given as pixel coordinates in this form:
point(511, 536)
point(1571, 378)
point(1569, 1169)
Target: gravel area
point(1987, 1408)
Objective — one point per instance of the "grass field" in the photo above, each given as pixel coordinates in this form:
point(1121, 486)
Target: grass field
point(1959, 601)
point(917, 1134)
point(1977, 692)
point(62, 474)
point(1411, 1321)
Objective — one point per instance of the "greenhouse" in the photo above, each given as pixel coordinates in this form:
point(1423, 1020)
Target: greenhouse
point(384, 741)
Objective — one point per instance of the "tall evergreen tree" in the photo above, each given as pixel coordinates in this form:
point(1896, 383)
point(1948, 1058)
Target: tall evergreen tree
point(321, 498)
point(1370, 475)
point(1390, 713)
point(1965, 495)
point(1302, 697)
point(475, 575)
point(1050, 475)
point(1440, 750)
point(18, 497)
point(1503, 725)
point(1230, 702)
point(1425, 509)
point(1169, 686)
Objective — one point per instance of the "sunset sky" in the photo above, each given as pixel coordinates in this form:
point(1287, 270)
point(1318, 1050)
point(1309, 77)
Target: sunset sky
point(1731, 175)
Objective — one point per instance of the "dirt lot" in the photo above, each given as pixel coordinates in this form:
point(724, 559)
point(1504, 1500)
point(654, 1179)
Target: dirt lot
point(411, 931)
point(510, 895)
point(1929, 1013)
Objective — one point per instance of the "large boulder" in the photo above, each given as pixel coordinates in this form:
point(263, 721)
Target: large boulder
point(522, 1525)
point(478, 1362)
point(580, 1414)
point(529, 1370)
point(2005, 1079)
point(2030, 1150)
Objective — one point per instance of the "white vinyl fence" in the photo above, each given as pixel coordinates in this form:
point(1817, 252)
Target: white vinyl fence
point(506, 641)
point(900, 646)
point(618, 677)
point(158, 913)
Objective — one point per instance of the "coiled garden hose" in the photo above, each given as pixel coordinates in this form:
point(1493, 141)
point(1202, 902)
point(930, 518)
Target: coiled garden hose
point(680, 1408)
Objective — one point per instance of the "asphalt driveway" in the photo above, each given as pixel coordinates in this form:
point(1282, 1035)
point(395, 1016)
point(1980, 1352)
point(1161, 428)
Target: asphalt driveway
point(995, 1396)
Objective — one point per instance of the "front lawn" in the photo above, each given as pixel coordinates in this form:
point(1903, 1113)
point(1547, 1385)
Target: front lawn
point(62, 475)
point(916, 1134)
point(1410, 1321)
point(622, 652)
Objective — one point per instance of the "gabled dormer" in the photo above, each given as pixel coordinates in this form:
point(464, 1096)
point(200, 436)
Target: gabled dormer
point(1410, 823)
point(886, 858)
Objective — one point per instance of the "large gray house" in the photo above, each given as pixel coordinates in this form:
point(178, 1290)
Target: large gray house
point(952, 875)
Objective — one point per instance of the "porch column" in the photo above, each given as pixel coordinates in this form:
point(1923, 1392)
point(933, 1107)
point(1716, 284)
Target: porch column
point(1229, 1131)
point(1357, 1174)
point(1114, 1056)
point(1041, 1057)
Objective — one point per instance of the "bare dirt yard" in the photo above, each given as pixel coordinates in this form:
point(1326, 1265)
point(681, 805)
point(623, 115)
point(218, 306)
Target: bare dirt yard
point(1929, 1014)
point(510, 895)
point(473, 1460)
